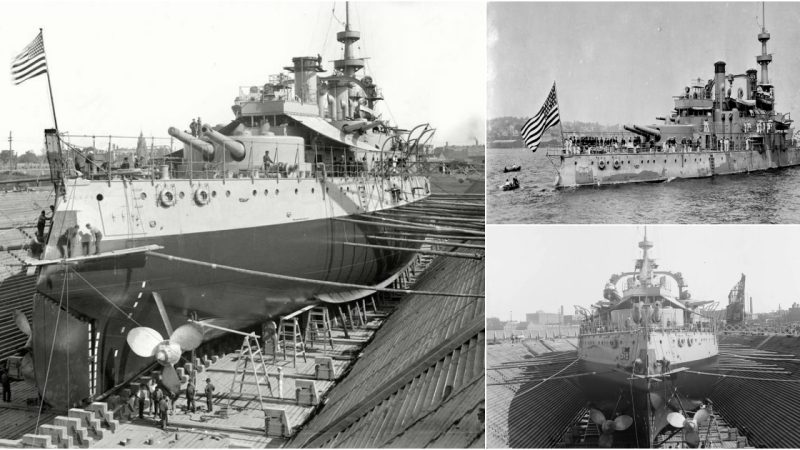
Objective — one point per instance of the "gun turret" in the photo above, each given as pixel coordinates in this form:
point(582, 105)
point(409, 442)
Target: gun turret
point(235, 148)
point(357, 126)
point(206, 147)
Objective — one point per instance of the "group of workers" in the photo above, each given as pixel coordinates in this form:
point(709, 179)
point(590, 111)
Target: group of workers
point(89, 238)
point(162, 401)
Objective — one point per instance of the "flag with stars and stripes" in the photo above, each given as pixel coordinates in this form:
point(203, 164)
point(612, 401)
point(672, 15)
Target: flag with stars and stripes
point(31, 62)
point(547, 116)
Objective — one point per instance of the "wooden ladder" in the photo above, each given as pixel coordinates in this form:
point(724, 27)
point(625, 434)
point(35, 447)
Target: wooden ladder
point(290, 333)
point(319, 325)
point(251, 349)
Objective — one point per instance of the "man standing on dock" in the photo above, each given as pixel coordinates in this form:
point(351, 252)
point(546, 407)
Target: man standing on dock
point(6, 383)
point(157, 397)
point(163, 407)
point(96, 237)
point(209, 395)
point(190, 406)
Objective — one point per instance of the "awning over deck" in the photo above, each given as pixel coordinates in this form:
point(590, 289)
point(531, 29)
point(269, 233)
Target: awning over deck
point(324, 128)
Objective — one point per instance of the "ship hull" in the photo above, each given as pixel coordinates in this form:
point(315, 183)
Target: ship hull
point(623, 168)
point(648, 400)
point(102, 299)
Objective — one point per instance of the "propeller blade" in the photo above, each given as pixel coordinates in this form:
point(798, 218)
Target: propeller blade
point(143, 340)
point(676, 419)
point(163, 311)
point(597, 416)
point(606, 440)
point(623, 422)
point(691, 438)
point(188, 336)
point(702, 415)
point(170, 380)
point(22, 322)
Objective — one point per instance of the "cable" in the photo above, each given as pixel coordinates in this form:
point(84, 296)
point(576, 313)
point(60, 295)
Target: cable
point(107, 299)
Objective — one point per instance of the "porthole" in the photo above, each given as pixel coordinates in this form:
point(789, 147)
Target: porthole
point(266, 192)
point(99, 197)
point(227, 193)
point(277, 191)
point(312, 190)
point(181, 194)
point(144, 196)
point(296, 190)
point(213, 193)
point(255, 192)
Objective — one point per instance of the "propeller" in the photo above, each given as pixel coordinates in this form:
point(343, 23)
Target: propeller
point(22, 323)
point(608, 427)
point(26, 365)
point(147, 342)
point(690, 426)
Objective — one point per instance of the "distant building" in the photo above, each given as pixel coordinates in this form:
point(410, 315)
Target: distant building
point(542, 318)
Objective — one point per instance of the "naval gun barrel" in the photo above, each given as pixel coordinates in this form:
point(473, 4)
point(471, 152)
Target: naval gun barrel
point(649, 131)
point(206, 147)
point(235, 148)
point(357, 126)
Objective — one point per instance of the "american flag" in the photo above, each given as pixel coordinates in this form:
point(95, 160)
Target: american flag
point(535, 127)
point(31, 62)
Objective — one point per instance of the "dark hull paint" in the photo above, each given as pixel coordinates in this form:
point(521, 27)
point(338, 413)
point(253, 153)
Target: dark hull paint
point(310, 249)
point(660, 166)
point(647, 401)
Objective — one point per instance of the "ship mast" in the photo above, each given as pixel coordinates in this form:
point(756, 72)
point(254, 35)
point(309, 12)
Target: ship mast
point(764, 58)
point(349, 64)
point(645, 273)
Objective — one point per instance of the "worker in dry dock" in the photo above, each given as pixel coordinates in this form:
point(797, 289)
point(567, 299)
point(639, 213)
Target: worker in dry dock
point(190, 391)
point(5, 381)
point(209, 395)
point(193, 127)
point(163, 407)
point(141, 395)
point(158, 395)
point(66, 241)
point(95, 236)
point(86, 241)
point(40, 223)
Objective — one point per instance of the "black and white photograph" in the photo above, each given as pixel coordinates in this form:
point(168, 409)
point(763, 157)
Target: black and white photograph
point(625, 336)
point(242, 224)
point(642, 112)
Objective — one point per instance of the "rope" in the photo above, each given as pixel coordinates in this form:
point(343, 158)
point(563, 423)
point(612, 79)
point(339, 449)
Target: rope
point(106, 298)
point(743, 377)
point(52, 348)
point(548, 378)
point(309, 280)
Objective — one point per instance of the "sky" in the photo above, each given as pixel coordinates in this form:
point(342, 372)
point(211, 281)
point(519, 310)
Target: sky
point(543, 267)
point(122, 67)
point(618, 63)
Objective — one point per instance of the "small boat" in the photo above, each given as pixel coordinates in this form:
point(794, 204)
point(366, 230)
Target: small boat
point(514, 168)
point(510, 185)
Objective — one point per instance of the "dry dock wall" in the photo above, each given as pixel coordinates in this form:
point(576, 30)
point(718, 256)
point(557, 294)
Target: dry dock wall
point(420, 382)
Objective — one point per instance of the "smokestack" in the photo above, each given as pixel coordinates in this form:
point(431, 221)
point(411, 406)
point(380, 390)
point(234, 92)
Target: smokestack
point(751, 306)
point(719, 81)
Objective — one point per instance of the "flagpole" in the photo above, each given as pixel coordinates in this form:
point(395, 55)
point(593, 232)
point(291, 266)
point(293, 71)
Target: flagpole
point(560, 126)
point(49, 85)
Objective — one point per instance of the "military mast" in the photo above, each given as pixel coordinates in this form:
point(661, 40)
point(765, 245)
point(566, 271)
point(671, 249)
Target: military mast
point(349, 64)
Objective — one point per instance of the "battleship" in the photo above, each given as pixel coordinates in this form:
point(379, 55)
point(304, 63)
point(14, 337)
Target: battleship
point(725, 125)
point(255, 219)
point(642, 347)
